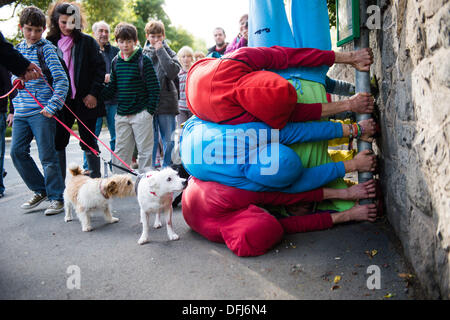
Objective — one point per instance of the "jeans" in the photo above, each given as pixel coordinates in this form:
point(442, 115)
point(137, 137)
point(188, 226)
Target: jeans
point(2, 149)
point(164, 124)
point(111, 110)
point(43, 130)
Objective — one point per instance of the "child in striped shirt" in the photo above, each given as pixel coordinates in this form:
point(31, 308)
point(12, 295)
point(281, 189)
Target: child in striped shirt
point(134, 80)
point(31, 121)
point(186, 56)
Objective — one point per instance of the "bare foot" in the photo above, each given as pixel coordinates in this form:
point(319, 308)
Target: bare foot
point(362, 191)
point(367, 212)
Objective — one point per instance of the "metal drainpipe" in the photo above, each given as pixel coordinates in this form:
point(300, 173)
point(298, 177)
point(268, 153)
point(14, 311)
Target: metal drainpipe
point(362, 81)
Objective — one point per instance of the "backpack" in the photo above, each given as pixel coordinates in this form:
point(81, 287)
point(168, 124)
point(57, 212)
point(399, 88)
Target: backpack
point(141, 66)
point(46, 70)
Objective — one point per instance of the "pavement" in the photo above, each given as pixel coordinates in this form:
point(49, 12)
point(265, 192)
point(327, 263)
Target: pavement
point(43, 257)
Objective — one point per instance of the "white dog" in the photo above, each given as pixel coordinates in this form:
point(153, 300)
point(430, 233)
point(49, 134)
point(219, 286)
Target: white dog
point(86, 194)
point(154, 193)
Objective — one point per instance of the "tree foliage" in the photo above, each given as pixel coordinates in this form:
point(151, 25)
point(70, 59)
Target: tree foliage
point(332, 12)
point(138, 13)
point(97, 10)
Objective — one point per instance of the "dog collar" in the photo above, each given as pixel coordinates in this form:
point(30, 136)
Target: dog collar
point(151, 192)
point(101, 191)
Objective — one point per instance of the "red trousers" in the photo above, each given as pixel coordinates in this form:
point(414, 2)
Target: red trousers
point(229, 215)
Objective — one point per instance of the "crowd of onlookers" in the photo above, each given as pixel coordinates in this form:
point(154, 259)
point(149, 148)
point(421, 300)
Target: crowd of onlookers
point(70, 76)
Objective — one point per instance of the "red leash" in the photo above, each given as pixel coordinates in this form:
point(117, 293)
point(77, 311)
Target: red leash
point(19, 85)
point(12, 90)
point(62, 123)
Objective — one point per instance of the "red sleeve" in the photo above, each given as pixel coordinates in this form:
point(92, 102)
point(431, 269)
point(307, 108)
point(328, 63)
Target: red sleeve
point(277, 57)
point(311, 222)
point(306, 112)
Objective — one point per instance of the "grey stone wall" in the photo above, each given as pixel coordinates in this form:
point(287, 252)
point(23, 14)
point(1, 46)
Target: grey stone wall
point(412, 72)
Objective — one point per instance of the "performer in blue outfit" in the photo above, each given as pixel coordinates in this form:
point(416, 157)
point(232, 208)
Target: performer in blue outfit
point(253, 156)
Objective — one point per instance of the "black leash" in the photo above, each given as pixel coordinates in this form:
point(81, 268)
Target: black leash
point(119, 167)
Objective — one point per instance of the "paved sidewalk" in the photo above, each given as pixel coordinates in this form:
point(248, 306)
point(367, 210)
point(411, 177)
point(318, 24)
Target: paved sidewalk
point(38, 251)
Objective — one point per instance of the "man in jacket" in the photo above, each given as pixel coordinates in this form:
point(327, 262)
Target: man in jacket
point(219, 48)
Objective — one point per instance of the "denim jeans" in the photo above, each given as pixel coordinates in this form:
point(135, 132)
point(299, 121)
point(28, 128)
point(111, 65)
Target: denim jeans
point(43, 130)
point(2, 149)
point(164, 124)
point(111, 110)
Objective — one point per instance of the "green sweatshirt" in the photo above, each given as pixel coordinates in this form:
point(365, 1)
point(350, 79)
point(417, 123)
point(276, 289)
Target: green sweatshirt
point(133, 95)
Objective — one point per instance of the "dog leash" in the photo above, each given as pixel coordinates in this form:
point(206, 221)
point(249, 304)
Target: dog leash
point(18, 84)
point(12, 90)
point(78, 119)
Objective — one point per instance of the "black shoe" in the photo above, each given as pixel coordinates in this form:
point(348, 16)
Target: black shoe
point(4, 173)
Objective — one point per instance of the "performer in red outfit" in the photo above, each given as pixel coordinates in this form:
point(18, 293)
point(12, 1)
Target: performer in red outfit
point(230, 215)
point(235, 88)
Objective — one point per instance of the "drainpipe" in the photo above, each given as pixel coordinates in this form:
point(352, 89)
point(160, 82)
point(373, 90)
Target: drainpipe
point(362, 82)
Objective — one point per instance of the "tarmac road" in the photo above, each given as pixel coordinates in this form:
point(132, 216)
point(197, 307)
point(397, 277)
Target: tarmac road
point(46, 258)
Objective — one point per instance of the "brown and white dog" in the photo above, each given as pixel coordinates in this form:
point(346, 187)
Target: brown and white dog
point(86, 194)
point(155, 193)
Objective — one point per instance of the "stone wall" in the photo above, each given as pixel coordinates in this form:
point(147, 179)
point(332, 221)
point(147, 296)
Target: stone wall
point(412, 72)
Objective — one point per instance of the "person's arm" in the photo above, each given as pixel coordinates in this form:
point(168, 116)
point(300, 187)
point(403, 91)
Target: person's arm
point(279, 58)
point(169, 62)
point(323, 130)
point(60, 81)
point(339, 87)
point(311, 222)
point(362, 103)
point(310, 131)
point(152, 85)
point(359, 59)
point(110, 90)
point(12, 59)
point(96, 65)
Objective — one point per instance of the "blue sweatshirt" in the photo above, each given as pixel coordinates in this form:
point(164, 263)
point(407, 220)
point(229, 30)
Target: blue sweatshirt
point(253, 156)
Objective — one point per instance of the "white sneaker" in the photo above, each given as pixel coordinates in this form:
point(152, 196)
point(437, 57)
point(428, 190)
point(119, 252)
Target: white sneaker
point(55, 207)
point(34, 201)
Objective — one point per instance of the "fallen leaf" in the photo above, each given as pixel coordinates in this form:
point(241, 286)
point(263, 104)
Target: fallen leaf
point(337, 279)
point(371, 253)
point(389, 295)
point(406, 275)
